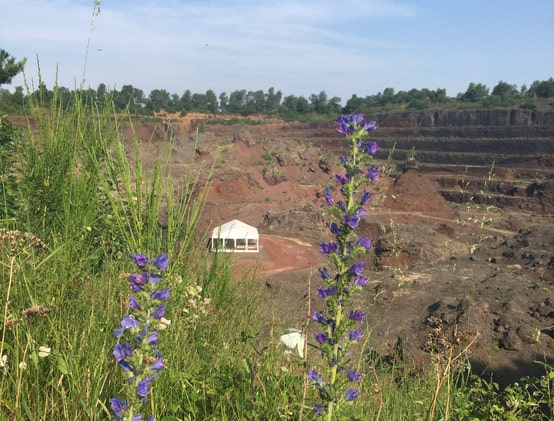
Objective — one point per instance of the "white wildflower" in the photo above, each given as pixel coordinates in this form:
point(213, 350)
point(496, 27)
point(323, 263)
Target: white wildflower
point(44, 351)
point(23, 365)
point(164, 323)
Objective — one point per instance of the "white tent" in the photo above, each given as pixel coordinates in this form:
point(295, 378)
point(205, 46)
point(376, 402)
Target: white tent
point(235, 236)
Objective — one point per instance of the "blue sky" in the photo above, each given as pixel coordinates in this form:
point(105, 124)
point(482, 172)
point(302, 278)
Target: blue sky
point(299, 47)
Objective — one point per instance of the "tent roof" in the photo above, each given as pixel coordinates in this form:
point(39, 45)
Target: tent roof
point(235, 229)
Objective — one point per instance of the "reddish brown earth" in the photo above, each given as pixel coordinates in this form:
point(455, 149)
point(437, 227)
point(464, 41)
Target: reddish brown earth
point(463, 276)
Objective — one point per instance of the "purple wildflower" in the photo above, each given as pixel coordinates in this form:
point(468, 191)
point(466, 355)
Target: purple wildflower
point(122, 351)
point(324, 273)
point(143, 387)
point(118, 406)
point(313, 376)
point(360, 280)
point(352, 375)
point(354, 220)
point(327, 292)
point(356, 335)
point(357, 316)
point(319, 317)
point(161, 261)
point(370, 148)
point(160, 294)
point(159, 312)
point(357, 268)
point(329, 197)
point(364, 242)
point(321, 337)
point(328, 248)
point(152, 338)
point(335, 228)
point(342, 179)
point(319, 409)
point(134, 304)
point(351, 395)
point(373, 174)
point(140, 259)
point(366, 196)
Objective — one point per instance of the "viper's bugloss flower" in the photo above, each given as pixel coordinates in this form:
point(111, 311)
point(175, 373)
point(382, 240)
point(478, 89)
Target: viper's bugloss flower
point(329, 197)
point(354, 220)
point(352, 375)
point(370, 148)
point(143, 387)
point(319, 409)
point(373, 174)
point(324, 273)
point(122, 351)
point(360, 280)
point(356, 335)
point(161, 262)
point(342, 179)
point(321, 337)
point(364, 242)
point(134, 304)
point(159, 312)
point(129, 322)
point(118, 406)
point(313, 376)
point(319, 317)
point(160, 294)
point(351, 395)
point(140, 260)
point(357, 315)
point(335, 228)
point(328, 248)
point(357, 268)
point(366, 197)
point(326, 292)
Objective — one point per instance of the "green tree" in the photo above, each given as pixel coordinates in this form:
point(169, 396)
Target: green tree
point(9, 67)
point(506, 92)
point(475, 93)
point(223, 102)
point(211, 102)
point(185, 102)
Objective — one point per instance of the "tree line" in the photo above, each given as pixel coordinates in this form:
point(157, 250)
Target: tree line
point(271, 102)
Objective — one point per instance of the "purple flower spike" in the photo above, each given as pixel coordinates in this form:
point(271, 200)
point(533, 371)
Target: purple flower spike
point(140, 259)
point(351, 395)
point(161, 262)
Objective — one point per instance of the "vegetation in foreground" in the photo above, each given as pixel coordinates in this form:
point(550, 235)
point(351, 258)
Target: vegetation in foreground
point(75, 207)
